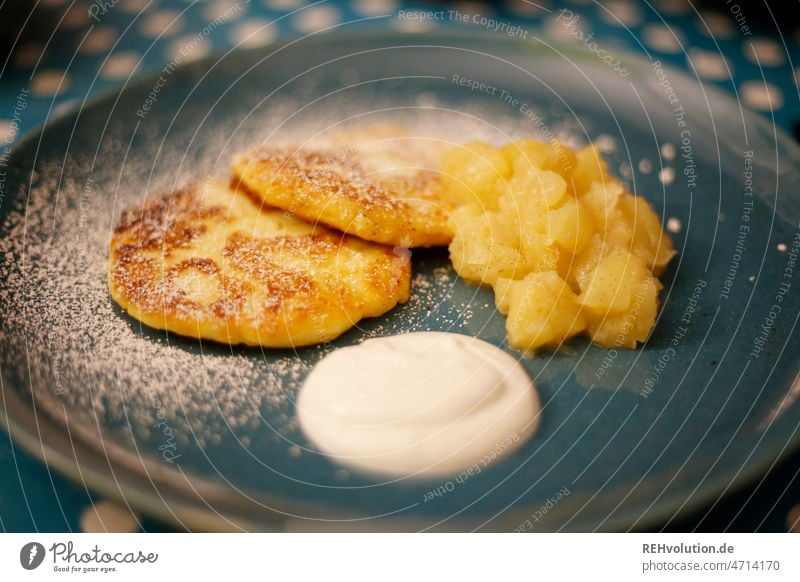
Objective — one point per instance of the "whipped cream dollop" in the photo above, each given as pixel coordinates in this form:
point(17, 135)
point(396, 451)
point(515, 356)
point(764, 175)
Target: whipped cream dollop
point(423, 403)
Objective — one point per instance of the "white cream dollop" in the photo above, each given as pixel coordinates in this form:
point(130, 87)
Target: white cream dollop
point(424, 403)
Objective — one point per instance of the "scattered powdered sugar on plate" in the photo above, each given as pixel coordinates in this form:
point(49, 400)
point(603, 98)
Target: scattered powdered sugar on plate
point(88, 363)
point(91, 358)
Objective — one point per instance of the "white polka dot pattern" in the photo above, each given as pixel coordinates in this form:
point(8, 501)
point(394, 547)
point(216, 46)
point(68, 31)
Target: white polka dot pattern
point(253, 33)
point(161, 24)
point(108, 517)
point(49, 82)
point(761, 95)
point(120, 66)
point(716, 25)
point(99, 40)
point(708, 64)
point(621, 13)
point(664, 39)
point(764, 52)
point(374, 7)
point(188, 48)
point(316, 18)
point(7, 132)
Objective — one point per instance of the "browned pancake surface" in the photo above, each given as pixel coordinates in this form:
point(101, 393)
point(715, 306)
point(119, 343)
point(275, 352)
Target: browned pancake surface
point(376, 182)
point(209, 262)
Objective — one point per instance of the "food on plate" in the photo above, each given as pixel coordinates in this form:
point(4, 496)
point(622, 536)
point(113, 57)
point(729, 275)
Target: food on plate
point(566, 249)
point(424, 403)
point(378, 182)
point(211, 262)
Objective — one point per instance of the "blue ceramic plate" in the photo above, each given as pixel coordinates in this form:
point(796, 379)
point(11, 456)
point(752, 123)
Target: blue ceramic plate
point(206, 436)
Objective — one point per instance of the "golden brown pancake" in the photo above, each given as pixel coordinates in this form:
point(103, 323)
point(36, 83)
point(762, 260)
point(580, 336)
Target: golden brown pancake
point(208, 262)
point(376, 182)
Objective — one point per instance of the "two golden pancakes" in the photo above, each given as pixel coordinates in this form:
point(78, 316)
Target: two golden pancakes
point(306, 240)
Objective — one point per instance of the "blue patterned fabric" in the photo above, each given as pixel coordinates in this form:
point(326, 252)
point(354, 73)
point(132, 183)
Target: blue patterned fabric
point(56, 54)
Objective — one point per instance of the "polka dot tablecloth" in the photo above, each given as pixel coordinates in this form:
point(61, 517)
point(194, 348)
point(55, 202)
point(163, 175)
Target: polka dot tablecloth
point(59, 53)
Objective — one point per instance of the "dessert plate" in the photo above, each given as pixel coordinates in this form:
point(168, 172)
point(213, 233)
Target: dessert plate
point(205, 435)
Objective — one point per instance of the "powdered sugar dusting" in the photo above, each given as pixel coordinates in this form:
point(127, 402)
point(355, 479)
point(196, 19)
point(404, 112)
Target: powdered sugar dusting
point(97, 360)
point(78, 352)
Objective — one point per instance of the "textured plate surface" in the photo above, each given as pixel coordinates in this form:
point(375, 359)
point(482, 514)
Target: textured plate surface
point(206, 435)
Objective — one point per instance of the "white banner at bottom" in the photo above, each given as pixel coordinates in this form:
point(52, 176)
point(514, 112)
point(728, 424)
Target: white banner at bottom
point(400, 557)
